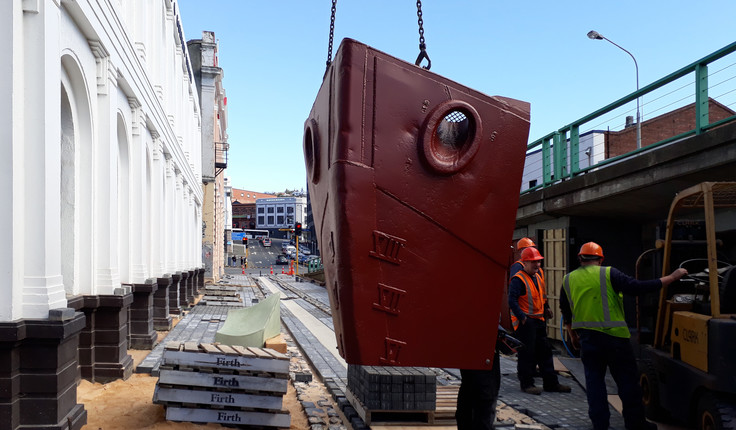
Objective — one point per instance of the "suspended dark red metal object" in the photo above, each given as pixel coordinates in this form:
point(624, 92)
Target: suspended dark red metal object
point(414, 183)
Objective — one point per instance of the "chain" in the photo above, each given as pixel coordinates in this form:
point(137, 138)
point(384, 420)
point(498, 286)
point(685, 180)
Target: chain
point(332, 34)
point(422, 46)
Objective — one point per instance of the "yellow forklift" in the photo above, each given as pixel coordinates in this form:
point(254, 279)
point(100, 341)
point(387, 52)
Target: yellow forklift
point(689, 370)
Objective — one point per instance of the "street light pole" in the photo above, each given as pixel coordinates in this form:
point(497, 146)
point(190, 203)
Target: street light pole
point(597, 36)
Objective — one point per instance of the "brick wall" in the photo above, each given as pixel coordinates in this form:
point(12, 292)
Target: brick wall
point(661, 128)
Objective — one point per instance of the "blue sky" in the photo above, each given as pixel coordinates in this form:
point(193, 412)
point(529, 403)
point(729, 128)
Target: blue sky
point(273, 55)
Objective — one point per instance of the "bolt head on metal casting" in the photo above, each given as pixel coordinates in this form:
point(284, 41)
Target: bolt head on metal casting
point(592, 34)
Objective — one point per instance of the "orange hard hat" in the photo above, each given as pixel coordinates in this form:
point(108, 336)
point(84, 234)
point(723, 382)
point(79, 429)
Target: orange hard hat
point(524, 242)
point(591, 249)
point(531, 254)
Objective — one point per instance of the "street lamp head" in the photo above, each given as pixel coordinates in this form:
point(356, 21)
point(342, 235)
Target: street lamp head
point(592, 34)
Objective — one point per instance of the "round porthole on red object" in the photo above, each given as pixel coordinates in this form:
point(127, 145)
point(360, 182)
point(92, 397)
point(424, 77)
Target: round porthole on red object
point(311, 150)
point(450, 136)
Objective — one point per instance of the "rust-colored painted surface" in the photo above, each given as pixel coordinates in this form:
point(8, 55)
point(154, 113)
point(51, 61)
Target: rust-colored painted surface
point(414, 213)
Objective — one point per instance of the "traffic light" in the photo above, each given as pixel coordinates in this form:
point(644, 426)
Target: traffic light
point(245, 241)
point(298, 229)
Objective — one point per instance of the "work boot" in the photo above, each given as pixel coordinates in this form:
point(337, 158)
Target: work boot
point(532, 390)
point(559, 388)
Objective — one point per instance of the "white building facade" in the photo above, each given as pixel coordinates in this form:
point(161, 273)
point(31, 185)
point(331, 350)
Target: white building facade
point(102, 185)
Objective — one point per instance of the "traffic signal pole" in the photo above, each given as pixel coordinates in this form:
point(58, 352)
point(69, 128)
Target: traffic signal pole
point(297, 255)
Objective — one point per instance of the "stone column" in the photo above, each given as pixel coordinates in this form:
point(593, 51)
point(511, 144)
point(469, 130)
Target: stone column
point(161, 317)
point(103, 342)
point(106, 216)
point(183, 303)
point(142, 334)
point(191, 282)
point(138, 254)
point(88, 306)
point(39, 372)
point(200, 280)
point(111, 338)
point(174, 307)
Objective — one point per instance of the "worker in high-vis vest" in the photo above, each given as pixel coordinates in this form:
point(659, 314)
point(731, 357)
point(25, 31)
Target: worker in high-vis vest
point(522, 244)
point(592, 308)
point(529, 308)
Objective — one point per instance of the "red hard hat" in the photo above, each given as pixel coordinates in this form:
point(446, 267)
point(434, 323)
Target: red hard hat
point(531, 254)
point(592, 249)
point(524, 242)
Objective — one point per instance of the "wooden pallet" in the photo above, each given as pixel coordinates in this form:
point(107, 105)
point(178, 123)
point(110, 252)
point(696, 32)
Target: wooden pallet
point(444, 413)
point(446, 404)
point(187, 398)
point(221, 293)
point(222, 298)
point(220, 288)
point(218, 358)
point(239, 418)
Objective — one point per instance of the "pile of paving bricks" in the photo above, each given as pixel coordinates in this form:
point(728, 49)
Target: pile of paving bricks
point(381, 393)
point(214, 383)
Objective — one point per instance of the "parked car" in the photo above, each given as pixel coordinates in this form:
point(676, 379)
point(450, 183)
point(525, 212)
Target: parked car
point(266, 242)
point(290, 249)
point(304, 250)
point(302, 258)
point(282, 259)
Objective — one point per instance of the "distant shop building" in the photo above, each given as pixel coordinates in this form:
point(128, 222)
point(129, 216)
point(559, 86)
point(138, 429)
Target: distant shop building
point(279, 213)
point(244, 207)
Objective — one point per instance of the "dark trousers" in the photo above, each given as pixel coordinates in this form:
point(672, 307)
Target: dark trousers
point(535, 352)
point(600, 351)
point(477, 398)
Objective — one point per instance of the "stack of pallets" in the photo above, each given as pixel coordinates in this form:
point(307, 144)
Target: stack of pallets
point(212, 383)
point(222, 296)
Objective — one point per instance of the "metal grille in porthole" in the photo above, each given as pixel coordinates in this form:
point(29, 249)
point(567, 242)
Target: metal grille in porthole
point(454, 129)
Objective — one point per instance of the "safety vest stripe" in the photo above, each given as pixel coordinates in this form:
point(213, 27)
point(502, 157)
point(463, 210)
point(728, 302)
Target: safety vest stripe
point(604, 295)
point(598, 324)
point(566, 286)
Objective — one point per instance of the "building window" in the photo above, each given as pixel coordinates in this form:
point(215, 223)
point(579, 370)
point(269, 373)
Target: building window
point(260, 220)
point(280, 209)
point(270, 220)
point(280, 220)
point(270, 209)
point(290, 209)
point(260, 210)
point(241, 194)
point(532, 183)
point(248, 195)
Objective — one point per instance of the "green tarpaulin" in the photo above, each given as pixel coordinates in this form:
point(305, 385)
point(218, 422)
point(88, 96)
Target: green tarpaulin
point(252, 326)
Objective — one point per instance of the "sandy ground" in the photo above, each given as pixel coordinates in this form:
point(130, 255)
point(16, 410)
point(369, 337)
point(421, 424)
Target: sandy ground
point(129, 404)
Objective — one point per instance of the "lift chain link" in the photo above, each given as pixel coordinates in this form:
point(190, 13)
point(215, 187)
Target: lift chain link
point(422, 46)
point(332, 34)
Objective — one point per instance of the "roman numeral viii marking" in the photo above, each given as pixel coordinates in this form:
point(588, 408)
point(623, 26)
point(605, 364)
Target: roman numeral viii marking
point(387, 247)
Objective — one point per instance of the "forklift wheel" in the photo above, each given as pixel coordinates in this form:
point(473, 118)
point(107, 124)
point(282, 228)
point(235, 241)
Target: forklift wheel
point(715, 413)
point(650, 391)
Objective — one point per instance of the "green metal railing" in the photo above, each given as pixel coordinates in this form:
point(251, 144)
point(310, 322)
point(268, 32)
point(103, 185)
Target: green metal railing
point(560, 150)
point(314, 265)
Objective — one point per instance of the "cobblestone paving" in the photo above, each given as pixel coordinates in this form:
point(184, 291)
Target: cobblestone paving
point(553, 410)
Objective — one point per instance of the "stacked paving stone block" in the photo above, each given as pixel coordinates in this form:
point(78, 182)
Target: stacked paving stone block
point(393, 388)
point(222, 296)
point(223, 384)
